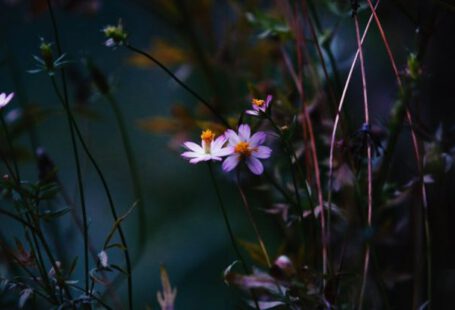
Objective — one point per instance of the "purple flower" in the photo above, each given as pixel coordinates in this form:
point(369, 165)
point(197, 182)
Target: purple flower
point(5, 99)
point(259, 106)
point(245, 147)
point(210, 148)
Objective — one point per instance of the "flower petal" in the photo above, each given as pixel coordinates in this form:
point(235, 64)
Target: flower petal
point(190, 154)
point(244, 132)
point(252, 112)
point(232, 136)
point(258, 138)
point(225, 151)
point(255, 165)
point(9, 97)
point(218, 143)
point(231, 162)
point(201, 158)
point(268, 100)
point(193, 147)
point(262, 152)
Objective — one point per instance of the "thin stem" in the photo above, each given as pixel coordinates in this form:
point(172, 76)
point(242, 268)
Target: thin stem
point(108, 194)
point(252, 222)
point(181, 83)
point(81, 190)
point(337, 120)
point(226, 220)
point(230, 231)
point(415, 143)
point(307, 125)
point(65, 102)
point(369, 162)
point(11, 148)
point(133, 171)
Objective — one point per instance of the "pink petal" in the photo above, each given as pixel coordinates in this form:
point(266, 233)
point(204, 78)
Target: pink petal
point(231, 162)
point(268, 100)
point(258, 138)
point(244, 132)
point(193, 147)
point(254, 165)
point(262, 152)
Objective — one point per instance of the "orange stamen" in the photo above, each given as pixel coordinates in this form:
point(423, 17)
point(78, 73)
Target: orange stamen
point(258, 102)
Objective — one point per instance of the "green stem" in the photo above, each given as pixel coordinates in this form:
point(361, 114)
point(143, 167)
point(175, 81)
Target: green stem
point(133, 171)
point(65, 102)
point(226, 220)
point(108, 194)
point(80, 187)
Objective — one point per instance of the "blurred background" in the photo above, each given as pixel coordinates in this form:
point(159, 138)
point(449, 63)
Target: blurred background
point(216, 48)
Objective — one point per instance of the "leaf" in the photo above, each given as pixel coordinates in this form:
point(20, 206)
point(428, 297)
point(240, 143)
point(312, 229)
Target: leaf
point(49, 215)
point(73, 266)
point(117, 224)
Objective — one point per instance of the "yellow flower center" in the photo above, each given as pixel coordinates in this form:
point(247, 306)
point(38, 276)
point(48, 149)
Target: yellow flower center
point(207, 137)
point(243, 148)
point(258, 102)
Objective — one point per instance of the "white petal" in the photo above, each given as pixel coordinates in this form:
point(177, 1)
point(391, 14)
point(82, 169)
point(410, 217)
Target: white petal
point(191, 154)
point(199, 159)
point(218, 143)
point(252, 112)
point(193, 147)
point(225, 151)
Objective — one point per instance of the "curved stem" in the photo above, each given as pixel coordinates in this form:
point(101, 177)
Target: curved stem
point(369, 162)
point(133, 171)
point(107, 191)
point(252, 222)
point(75, 150)
point(181, 83)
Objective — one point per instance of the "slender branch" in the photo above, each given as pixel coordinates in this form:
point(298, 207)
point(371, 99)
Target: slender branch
point(65, 101)
point(369, 161)
point(109, 197)
point(253, 222)
point(415, 143)
point(337, 120)
point(181, 83)
point(230, 231)
point(133, 171)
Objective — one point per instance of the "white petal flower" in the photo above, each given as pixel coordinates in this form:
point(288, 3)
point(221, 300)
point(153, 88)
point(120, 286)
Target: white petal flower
point(210, 148)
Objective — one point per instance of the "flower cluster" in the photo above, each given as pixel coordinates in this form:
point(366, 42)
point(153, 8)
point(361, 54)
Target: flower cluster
point(240, 146)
